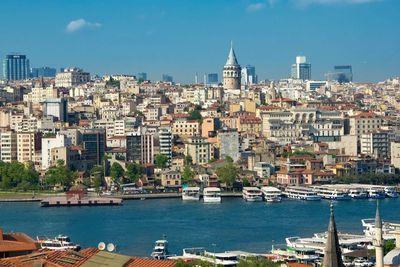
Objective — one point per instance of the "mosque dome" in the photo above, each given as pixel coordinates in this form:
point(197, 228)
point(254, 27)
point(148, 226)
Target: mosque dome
point(392, 258)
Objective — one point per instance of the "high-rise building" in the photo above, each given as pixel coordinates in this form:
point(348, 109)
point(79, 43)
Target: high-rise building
point(249, 76)
point(343, 73)
point(56, 107)
point(8, 146)
point(94, 145)
point(134, 148)
point(232, 72)
point(48, 143)
point(16, 67)
point(301, 69)
point(43, 72)
point(212, 78)
point(228, 142)
point(142, 76)
point(167, 78)
point(165, 139)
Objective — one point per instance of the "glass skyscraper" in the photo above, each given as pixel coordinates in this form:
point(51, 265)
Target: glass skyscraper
point(343, 73)
point(302, 69)
point(16, 67)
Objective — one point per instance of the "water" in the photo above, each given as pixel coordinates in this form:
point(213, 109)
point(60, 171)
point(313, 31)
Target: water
point(233, 224)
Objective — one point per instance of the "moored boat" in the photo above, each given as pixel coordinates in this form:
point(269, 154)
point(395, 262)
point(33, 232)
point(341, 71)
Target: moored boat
point(212, 195)
point(252, 194)
point(271, 194)
point(191, 193)
point(300, 193)
point(60, 242)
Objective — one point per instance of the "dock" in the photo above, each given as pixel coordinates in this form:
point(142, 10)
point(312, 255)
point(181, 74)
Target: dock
point(171, 195)
point(66, 201)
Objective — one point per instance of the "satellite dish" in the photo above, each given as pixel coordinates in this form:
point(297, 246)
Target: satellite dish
point(101, 246)
point(110, 247)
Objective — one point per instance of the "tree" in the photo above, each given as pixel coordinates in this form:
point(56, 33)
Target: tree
point(195, 115)
point(245, 182)
point(60, 175)
point(161, 161)
point(133, 171)
point(388, 246)
point(188, 160)
point(228, 173)
point(187, 175)
point(16, 175)
point(116, 172)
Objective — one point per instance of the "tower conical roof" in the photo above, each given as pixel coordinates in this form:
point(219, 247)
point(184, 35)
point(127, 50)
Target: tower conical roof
point(332, 254)
point(232, 57)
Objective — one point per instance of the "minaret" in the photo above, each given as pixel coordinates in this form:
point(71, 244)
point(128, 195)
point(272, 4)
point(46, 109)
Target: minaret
point(232, 72)
point(378, 240)
point(332, 252)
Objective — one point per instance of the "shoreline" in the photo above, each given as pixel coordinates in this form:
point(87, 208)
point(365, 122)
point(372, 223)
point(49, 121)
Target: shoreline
point(21, 198)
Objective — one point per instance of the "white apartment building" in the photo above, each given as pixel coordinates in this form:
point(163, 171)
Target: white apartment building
point(364, 123)
point(377, 143)
point(302, 123)
point(48, 144)
point(165, 139)
point(8, 146)
point(72, 77)
point(199, 149)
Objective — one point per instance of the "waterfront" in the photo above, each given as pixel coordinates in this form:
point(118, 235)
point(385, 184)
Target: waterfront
point(233, 224)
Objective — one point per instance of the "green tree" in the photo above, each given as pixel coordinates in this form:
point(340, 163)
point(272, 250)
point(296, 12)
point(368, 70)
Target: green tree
point(245, 182)
point(187, 175)
point(161, 161)
point(188, 160)
point(16, 175)
point(59, 175)
point(133, 171)
point(228, 173)
point(116, 172)
point(195, 115)
point(388, 246)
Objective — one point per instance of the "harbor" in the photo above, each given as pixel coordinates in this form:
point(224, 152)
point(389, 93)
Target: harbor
point(140, 223)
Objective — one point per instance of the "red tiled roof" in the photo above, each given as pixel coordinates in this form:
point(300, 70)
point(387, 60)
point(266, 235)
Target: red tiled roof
point(143, 262)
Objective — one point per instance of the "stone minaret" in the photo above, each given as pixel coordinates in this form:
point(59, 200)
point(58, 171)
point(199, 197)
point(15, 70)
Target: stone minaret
point(378, 240)
point(332, 252)
point(232, 72)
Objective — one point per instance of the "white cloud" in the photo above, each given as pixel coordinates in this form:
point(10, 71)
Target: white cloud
point(332, 2)
point(255, 7)
point(79, 24)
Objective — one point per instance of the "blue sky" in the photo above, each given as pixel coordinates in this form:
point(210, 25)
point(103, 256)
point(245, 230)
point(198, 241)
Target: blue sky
point(187, 36)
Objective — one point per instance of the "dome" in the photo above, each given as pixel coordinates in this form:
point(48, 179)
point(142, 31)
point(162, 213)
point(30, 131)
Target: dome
point(393, 257)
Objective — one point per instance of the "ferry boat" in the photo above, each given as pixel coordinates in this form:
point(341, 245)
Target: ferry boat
point(252, 194)
point(271, 194)
point(301, 193)
point(303, 255)
point(358, 194)
point(331, 193)
point(391, 192)
point(60, 242)
point(376, 193)
point(160, 250)
point(212, 195)
point(191, 193)
point(388, 228)
point(221, 259)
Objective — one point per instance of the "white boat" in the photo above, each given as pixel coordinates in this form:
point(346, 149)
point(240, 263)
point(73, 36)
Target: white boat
point(304, 255)
point(301, 193)
point(220, 259)
point(358, 194)
point(252, 194)
point(376, 193)
point(388, 228)
point(212, 195)
point(391, 192)
point(330, 193)
point(191, 193)
point(160, 250)
point(271, 194)
point(60, 242)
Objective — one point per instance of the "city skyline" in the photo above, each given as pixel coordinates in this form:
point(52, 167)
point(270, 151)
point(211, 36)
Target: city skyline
point(136, 38)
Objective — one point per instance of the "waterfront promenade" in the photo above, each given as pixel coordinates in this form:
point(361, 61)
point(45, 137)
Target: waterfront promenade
point(35, 198)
